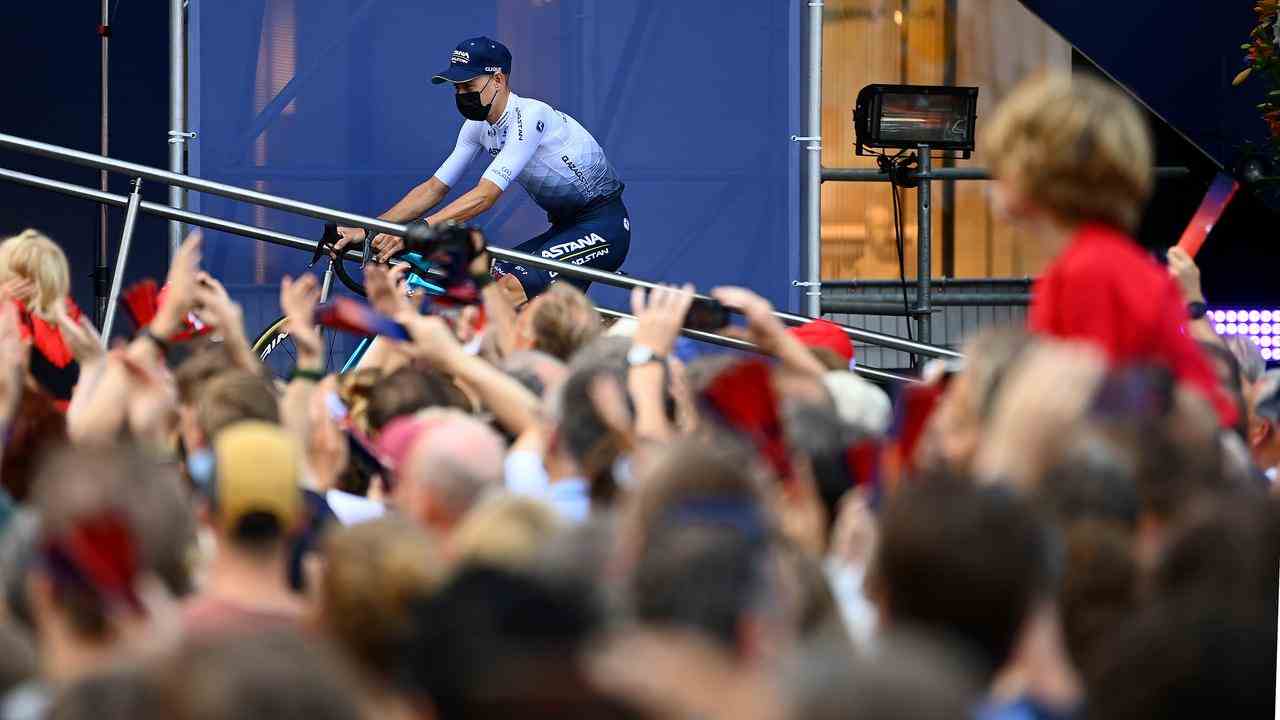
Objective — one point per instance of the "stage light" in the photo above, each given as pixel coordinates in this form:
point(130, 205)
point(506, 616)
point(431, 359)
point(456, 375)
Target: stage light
point(904, 117)
point(1262, 327)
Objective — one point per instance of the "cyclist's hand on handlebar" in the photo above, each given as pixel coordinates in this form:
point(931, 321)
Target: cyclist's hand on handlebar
point(386, 246)
point(348, 236)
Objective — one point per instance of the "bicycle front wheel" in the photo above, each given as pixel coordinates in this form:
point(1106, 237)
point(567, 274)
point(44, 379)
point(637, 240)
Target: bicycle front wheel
point(277, 352)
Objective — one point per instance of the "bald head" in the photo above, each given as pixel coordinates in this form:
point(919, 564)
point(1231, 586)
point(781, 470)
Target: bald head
point(452, 463)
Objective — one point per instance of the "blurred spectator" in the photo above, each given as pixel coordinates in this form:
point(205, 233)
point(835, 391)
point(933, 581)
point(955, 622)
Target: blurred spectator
point(409, 390)
point(828, 342)
point(962, 562)
point(1264, 423)
point(957, 426)
point(38, 428)
point(452, 462)
point(504, 531)
point(558, 322)
point(908, 678)
point(372, 574)
point(271, 674)
point(859, 403)
point(92, 589)
point(540, 372)
point(485, 624)
point(35, 276)
point(1082, 208)
point(227, 398)
point(123, 693)
point(253, 503)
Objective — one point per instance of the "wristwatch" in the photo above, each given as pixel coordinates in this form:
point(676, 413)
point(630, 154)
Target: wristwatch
point(1197, 310)
point(642, 355)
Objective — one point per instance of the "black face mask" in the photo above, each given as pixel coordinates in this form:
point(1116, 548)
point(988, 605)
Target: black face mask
point(470, 105)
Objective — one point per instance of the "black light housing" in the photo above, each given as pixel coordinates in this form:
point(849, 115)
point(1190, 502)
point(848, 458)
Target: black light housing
point(908, 116)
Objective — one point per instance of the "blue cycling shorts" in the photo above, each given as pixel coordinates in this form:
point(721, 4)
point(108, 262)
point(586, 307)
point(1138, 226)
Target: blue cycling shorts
point(598, 237)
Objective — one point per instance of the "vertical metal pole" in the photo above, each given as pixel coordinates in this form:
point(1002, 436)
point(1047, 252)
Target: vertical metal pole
point(327, 284)
point(100, 270)
point(126, 237)
point(924, 248)
point(813, 179)
point(177, 113)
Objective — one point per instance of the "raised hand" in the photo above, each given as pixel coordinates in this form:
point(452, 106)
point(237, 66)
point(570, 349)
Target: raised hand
point(298, 299)
point(767, 331)
point(180, 288)
point(659, 315)
point(81, 336)
point(385, 290)
point(1186, 274)
point(433, 339)
point(218, 309)
point(18, 288)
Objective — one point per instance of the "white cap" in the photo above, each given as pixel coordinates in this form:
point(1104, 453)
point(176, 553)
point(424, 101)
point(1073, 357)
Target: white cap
point(859, 402)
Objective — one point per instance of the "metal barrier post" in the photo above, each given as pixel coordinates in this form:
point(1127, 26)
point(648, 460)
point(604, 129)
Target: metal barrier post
point(813, 166)
point(101, 250)
point(178, 134)
point(924, 248)
point(126, 238)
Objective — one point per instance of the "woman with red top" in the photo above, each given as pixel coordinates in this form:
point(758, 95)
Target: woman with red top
point(35, 276)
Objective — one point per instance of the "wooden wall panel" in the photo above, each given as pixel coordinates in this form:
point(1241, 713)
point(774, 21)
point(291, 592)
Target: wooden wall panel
point(997, 43)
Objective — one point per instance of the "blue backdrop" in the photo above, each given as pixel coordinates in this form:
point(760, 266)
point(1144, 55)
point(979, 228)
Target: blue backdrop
point(329, 101)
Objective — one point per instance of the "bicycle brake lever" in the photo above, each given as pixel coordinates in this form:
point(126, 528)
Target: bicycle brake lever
point(327, 241)
point(367, 252)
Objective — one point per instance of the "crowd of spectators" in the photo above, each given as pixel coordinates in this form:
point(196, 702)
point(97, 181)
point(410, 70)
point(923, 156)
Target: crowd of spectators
point(559, 518)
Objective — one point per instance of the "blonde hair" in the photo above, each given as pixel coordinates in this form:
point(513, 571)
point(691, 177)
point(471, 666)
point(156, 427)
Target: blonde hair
point(373, 572)
point(31, 255)
point(505, 531)
point(1075, 146)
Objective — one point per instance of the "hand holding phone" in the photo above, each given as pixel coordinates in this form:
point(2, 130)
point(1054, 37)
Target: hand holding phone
point(707, 315)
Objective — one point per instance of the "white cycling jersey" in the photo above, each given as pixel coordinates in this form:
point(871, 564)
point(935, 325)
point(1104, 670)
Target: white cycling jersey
point(550, 154)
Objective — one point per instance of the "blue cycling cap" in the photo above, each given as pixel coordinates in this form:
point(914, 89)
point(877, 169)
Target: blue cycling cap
point(473, 58)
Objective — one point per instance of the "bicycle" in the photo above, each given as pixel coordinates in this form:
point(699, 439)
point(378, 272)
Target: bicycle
point(274, 348)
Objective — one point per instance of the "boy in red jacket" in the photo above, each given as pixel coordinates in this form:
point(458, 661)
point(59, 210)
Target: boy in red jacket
point(1072, 158)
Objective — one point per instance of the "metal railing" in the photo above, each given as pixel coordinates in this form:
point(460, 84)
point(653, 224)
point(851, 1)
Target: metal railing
point(318, 212)
point(278, 238)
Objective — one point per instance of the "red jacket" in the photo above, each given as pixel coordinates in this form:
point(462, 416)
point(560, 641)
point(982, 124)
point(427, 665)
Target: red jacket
point(1105, 289)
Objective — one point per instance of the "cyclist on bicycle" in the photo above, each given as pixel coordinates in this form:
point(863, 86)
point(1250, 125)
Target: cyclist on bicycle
point(557, 161)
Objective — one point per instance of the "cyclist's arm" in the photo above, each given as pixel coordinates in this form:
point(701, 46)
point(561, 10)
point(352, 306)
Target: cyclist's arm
point(427, 195)
point(419, 200)
point(470, 204)
point(525, 133)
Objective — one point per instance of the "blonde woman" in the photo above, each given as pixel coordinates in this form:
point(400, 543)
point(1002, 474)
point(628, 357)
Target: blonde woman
point(35, 276)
